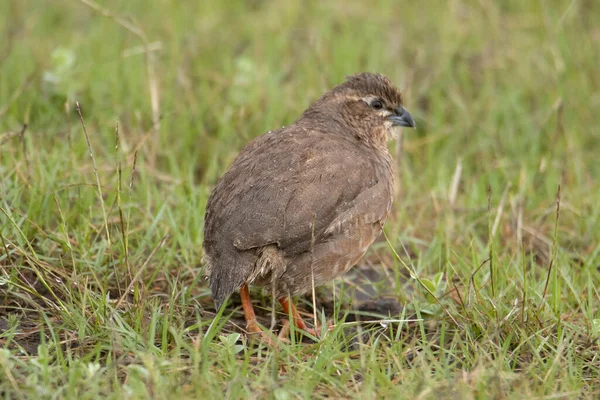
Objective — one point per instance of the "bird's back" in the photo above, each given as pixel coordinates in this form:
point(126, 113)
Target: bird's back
point(286, 188)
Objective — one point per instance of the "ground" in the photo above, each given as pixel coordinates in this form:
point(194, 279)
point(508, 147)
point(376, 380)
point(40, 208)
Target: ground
point(485, 285)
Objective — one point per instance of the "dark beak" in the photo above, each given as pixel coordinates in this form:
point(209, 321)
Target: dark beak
point(401, 117)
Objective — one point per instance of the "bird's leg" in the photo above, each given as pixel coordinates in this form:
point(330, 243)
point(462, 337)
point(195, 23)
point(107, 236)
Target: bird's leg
point(249, 316)
point(290, 309)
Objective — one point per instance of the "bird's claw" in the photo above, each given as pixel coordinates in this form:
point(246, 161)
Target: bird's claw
point(285, 330)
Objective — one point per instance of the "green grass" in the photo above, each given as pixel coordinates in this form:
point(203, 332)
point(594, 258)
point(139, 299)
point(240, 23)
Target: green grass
point(101, 288)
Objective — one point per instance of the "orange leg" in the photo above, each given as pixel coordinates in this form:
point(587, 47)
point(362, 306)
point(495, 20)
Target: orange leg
point(290, 309)
point(251, 325)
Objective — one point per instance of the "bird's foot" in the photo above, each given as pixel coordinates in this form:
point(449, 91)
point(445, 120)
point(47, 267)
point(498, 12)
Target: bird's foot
point(255, 332)
point(285, 330)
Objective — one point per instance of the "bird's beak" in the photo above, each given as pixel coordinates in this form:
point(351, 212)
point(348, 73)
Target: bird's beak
point(401, 117)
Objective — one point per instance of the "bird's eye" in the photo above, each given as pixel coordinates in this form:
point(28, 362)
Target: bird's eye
point(377, 104)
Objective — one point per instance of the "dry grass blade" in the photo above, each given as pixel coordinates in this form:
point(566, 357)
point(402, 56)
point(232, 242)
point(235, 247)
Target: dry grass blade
point(383, 322)
point(491, 239)
point(124, 230)
point(554, 249)
point(135, 156)
point(98, 185)
point(472, 281)
point(24, 148)
point(453, 190)
point(500, 209)
point(64, 230)
point(141, 270)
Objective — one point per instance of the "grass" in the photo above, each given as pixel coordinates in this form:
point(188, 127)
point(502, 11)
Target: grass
point(101, 287)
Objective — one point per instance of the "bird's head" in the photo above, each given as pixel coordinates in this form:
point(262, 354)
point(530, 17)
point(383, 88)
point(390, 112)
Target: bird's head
point(368, 104)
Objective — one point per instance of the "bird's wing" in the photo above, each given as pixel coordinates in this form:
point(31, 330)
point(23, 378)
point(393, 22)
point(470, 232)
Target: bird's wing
point(288, 188)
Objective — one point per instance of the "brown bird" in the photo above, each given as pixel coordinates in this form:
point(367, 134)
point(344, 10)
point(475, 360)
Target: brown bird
point(302, 204)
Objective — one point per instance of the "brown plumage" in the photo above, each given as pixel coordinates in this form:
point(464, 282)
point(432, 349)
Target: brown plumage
point(306, 200)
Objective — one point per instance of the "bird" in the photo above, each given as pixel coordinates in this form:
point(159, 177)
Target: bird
point(300, 205)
